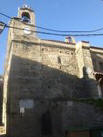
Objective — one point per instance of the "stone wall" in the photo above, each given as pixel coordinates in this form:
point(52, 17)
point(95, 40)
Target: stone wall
point(1, 98)
point(97, 58)
point(2, 128)
point(38, 75)
point(41, 77)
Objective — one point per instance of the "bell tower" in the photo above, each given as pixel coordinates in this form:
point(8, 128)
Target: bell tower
point(23, 25)
point(26, 14)
point(21, 49)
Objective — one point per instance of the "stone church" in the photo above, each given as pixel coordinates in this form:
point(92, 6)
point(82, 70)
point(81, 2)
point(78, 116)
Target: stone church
point(44, 81)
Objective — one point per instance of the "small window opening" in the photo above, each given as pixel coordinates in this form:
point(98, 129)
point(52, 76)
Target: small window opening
point(25, 17)
point(59, 60)
point(101, 66)
point(48, 87)
point(46, 124)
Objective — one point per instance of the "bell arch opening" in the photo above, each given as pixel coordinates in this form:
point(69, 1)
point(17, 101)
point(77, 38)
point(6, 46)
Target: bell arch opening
point(26, 17)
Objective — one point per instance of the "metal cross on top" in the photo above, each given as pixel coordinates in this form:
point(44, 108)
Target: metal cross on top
point(25, 4)
point(24, 1)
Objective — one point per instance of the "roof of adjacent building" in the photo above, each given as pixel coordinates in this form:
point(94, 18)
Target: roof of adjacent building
point(58, 41)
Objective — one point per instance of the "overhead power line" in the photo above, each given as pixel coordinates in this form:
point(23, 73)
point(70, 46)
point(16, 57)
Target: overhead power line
point(5, 15)
point(60, 31)
point(58, 34)
point(70, 30)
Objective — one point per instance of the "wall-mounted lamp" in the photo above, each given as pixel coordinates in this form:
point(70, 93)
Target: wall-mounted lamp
point(2, 26)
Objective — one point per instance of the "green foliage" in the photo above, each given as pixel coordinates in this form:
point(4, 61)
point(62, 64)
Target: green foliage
point(96, 102)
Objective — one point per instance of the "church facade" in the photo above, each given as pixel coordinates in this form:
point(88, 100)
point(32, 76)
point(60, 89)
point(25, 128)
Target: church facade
point(44, 81)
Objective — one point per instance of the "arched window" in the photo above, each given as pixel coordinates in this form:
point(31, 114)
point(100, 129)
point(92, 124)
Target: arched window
point(25, 17)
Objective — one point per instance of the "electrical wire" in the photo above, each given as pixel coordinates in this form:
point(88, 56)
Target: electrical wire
point(5, 15)
point(54, 30)
point(48, 29)
point(57, 34)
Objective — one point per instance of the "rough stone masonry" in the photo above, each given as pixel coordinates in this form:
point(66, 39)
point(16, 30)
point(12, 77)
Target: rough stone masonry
point(41, 79)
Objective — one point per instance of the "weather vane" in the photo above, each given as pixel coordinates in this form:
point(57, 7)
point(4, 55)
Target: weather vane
point(24, 1)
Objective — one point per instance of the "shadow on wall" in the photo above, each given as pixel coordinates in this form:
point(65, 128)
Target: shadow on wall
point(1, 100)
point(89, 86)
point(47, 82)
point(97, 60)
point(32, 80)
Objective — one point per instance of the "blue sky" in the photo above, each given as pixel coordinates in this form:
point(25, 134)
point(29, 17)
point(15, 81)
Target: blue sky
point(57, 14)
